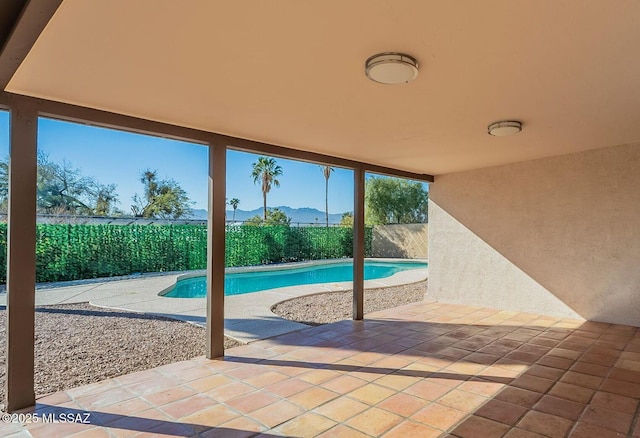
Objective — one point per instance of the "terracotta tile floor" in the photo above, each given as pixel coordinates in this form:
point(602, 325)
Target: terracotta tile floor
point(422, 370)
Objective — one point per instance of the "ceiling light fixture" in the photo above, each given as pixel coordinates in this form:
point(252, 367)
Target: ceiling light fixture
point(391, 68)
point(504, 128)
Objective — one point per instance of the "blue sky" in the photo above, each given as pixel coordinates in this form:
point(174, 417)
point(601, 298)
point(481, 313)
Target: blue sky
point(117, 157)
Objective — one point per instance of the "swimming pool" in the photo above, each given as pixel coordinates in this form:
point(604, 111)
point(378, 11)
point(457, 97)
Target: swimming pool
point(237, 283)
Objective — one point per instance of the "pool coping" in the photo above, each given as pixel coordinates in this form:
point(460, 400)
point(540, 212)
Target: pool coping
point(248, 317)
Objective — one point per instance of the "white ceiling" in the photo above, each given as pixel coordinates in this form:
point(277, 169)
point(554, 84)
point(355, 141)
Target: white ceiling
point(291, 73)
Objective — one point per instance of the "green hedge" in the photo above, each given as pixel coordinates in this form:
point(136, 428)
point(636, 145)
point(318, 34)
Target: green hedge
point(72, 252)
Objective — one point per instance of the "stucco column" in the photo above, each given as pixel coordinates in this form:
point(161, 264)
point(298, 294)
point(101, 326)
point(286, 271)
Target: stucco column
point(21, 258)
point(358, 243)
point(215, 249)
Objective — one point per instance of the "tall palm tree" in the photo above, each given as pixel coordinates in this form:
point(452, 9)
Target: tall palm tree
point(234, 204)
point(266, 171)
point(326, 171)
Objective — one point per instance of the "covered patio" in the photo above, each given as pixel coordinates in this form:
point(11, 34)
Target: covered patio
point(422, 370)
point(532, 305)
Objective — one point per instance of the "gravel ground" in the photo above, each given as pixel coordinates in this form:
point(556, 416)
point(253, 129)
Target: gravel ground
point(77, 344)
point(336, 306)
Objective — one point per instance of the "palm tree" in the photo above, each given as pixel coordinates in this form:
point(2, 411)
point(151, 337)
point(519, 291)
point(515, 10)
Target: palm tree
point(326, 171)
point(234, 204)
point(266, 171)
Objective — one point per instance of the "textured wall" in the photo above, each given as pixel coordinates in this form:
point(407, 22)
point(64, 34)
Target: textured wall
point(402, 240)
point(558, 236)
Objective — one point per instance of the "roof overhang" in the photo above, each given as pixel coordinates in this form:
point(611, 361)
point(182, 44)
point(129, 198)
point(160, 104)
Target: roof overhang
point(291, 73)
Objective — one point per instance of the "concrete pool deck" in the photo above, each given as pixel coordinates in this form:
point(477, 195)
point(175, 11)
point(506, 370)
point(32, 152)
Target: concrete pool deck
point(248, 317)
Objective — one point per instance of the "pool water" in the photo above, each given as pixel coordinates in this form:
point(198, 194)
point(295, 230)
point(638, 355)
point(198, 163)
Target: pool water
point(237, 283)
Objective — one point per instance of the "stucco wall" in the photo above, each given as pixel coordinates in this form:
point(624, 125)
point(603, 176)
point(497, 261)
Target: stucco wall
point(557, 236)
point(400, 240)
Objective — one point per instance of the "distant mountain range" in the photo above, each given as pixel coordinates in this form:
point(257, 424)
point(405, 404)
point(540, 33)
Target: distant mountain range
point(302, 215)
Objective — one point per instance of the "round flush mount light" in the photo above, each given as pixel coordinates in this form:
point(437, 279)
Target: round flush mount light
point(504, 128)
point(391, 68)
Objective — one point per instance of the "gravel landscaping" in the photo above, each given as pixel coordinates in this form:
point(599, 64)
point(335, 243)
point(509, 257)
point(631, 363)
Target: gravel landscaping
point(335, 306)
point(78, 344)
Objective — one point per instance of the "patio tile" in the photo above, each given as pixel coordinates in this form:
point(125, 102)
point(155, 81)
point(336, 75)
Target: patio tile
point(240, 427)
point(208, 383)
point(157, 384)
point(396, 381)
point(439, 416)
point(371, 393)
point(584, 430)
point(427, 390)
point(59, 430)
point(607, 419)
point(251, 402)
point(466, 368)
point(313, 397)
point(545, 424)
point(265, 379)
point(210, 417)
point(545, 372)
point(288, 387)
point(341, 409)
point(520, 397)
point(402, 404)
point(614, 402)
point(571, 392)
point(621, 387)
point(344, 384)
point(533, 383)
point(591, 369)
point(481, 387)
point(374, 421)
point(318, 376)
point(106, 398)
point(54, 399)
point(521, 433)
point(626, 375)
point(560, 407)
point(306, 425)
point(599, 359)
point(581, 379)
point(277, 413)
point(478, 427)
point(411, 429)
point(169, 395)
point(187, 406)
point(462, 400)
point(556, 362)
point(342, 431)
point(127, 407)
point(501, 412)
point(230, 391)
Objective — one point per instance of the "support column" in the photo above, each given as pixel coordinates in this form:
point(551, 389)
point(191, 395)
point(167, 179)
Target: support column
point(358, 243)
point(21, 258)
point(215, 249)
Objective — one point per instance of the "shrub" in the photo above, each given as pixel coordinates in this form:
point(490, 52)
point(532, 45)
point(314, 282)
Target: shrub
point(72, 252)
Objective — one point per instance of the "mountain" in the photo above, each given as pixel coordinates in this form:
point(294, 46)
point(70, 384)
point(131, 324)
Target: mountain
point(303, 215)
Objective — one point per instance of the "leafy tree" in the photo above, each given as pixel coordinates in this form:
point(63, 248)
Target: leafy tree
point(326, 171)
point(395, 201)
point(266, 172)
point(162, 198)
point(62, 189)
point(105, 199)
point(275, 216)
point(346, 220)
point(234, 204)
